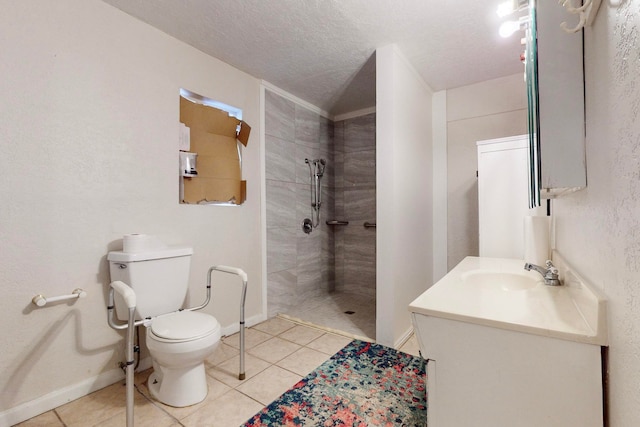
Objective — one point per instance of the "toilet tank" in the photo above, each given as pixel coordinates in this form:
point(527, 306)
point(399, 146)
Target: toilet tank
point(160, 279)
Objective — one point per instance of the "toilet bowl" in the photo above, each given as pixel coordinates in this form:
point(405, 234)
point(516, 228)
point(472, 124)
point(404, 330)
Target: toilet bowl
point(179, 343)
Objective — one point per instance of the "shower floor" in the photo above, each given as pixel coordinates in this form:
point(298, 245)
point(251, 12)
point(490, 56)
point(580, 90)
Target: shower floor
point(352, 313)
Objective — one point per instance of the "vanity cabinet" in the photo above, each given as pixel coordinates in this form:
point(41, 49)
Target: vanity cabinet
point(504, 349)
point(485, 377)
point(555, 88)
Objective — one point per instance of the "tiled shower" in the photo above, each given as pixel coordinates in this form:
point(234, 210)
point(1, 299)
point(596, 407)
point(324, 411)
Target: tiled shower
point(326, 277)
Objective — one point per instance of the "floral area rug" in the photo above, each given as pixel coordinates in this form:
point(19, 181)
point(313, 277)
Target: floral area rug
point(363, 384)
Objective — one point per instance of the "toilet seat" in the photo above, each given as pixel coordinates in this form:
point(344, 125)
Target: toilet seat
point(183, 326)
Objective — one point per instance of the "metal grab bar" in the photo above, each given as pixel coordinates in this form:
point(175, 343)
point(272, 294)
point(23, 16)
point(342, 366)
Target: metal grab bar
point(222, 268)
point(129, 297)
point(243, 276)
point(40, 300)
point(368, 224)
point(337, 222)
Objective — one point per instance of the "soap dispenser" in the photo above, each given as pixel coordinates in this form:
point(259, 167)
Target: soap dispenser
point(188, 164)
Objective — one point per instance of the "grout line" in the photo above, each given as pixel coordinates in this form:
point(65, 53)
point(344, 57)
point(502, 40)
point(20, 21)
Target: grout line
point(59, 418)
point(245, 394)
point(155, 403)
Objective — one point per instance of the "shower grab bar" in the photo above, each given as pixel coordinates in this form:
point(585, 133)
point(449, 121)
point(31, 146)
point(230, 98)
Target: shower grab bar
point(40, 300)
point(368, 224)
point(337, 222)
point(316, 171)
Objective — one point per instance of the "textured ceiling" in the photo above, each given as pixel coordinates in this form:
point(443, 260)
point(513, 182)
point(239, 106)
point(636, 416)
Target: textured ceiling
point(322, 51)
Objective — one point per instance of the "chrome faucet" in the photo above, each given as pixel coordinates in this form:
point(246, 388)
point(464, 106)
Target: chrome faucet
point(550, 273)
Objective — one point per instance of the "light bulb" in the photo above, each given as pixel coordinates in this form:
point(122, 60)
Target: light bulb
point(509, 27)
point(506, 8)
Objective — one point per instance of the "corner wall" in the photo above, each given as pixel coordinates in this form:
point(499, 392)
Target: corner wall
point(404, 182)
point(88, 130)
point(598, 228)
point(486, 110)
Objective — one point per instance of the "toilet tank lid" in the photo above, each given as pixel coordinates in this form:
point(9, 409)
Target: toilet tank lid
point(170, 252)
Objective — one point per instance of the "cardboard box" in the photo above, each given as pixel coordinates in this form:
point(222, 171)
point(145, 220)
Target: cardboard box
point(214, 137)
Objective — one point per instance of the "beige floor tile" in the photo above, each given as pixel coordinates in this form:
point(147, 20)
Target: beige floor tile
point(303, 361)
point(411, 346)
point(229, 410)
point(228, 371)
point(274, 349)
point(216, 389)
point(222, 353)
point(302, 335)
point(329, 343)
point(252, 338)
point(48, 419)
point(269, 384)
point(95, 407)
point(274, 326)
point(278, 354)
point(145, 414)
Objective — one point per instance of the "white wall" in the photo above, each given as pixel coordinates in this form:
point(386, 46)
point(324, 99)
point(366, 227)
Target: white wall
point(404, 184)
point(88, 130)
point(598, 228)
point(440, 222)
point(486, 110)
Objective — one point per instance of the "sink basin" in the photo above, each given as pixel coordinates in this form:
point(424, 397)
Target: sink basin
point(499, 293)
point(501, 280)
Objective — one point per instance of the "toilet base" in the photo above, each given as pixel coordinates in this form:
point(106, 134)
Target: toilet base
point(178, 387)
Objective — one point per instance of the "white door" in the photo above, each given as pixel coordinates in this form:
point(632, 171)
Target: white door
point(503, 196)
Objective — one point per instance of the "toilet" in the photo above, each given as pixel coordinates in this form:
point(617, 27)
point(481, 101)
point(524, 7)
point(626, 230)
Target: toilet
point(178, 341)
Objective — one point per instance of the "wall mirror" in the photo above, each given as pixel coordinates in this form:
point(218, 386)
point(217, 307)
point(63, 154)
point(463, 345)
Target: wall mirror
point(555, 91)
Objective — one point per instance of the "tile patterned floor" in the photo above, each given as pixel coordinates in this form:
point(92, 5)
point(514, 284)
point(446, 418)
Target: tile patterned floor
point(279, 352)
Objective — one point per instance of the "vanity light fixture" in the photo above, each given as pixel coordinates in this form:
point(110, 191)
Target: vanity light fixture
point(508, 7)
point(587, 13)
point(509, 27)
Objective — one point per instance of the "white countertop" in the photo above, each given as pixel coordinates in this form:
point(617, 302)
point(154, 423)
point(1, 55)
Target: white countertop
point(574, 311)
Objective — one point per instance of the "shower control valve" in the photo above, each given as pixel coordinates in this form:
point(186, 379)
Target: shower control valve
point(307, 226)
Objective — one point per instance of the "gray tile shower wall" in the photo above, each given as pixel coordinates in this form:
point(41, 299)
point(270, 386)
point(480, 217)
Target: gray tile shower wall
point(356, 189)
point(303, 265)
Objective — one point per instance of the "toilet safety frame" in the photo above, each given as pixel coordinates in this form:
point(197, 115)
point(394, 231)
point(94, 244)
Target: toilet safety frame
point(129, 297)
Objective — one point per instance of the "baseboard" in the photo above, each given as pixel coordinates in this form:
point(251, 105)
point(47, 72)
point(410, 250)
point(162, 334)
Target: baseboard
point(59, 397)
point(144, 364)
point(235, 327)
point(403, 338)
